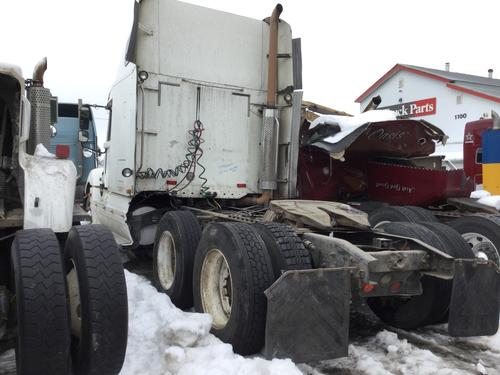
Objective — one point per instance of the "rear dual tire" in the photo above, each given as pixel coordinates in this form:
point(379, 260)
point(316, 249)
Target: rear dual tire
point(431, 307)
point(234, 264)
point(236, 302)
point(97, 299)
point(48, 318)
point(43, 336)
point(177, 237)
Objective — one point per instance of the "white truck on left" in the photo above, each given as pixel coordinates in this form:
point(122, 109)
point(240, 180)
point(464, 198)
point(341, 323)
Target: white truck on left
point(63, 298)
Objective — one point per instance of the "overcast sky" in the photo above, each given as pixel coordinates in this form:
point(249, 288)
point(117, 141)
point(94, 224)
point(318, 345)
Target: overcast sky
point(347, 45)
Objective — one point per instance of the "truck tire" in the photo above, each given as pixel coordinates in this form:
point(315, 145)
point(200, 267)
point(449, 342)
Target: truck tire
point(176, 239)
point(232, 269)
point(390, 214)
point(482, 233)
point(457, 248)
point(416, 311)
point(86, 198)
point(43, 335)
point(423, 214)
point(285, 248)
point(97, 299)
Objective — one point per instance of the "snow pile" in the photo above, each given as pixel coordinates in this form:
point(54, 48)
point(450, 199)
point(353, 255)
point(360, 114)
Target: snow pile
point(386, 354)
point(492, 201)
point(349, 124)
point(42, 152)
point(478, 194)
point(165, 340)
point(486, 198)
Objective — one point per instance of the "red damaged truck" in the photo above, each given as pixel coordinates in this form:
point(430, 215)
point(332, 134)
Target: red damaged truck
point(388, 169)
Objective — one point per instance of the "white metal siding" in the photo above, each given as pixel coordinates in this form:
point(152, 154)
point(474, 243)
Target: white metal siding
point(184, 47)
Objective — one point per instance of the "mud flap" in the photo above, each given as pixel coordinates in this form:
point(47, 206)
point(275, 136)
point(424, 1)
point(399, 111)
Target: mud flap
point(474, 306)
point(308, 315)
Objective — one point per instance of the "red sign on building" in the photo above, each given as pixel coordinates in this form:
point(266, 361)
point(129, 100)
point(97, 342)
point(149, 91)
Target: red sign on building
point(418, 108)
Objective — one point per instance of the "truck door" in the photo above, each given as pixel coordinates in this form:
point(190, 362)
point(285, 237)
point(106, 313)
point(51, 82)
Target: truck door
point(120, 148)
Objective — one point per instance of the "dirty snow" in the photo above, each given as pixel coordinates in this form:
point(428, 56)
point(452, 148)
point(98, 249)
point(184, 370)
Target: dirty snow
point(349, 124)
point(386, 354)
point(165, 340)
point(486, 198)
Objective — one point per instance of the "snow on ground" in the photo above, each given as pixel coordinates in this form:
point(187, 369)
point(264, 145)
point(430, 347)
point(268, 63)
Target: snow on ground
point(165, 340)
point(386, 354)
point(478, 194)
point(486, 198)
point(492, 201)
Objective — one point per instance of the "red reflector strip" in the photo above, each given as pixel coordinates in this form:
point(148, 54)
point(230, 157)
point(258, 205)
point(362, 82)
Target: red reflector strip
point(171, 182)
point(396, 286)
point(62, 151)
point(241, 185)
point(368, 288)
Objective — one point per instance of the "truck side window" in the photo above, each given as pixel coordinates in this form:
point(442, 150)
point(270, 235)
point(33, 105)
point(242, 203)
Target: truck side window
point(479, 156)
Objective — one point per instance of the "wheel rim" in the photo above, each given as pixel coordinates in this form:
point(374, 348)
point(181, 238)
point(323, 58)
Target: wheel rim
point(75, 305)
point(216, 288)
point(482, 247)
point(165, 260)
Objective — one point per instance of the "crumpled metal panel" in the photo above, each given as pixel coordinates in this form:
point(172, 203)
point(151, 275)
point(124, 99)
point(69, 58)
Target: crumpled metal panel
point(319, 214)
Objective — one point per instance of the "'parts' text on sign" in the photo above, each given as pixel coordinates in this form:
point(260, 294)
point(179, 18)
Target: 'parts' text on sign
point(418, 108)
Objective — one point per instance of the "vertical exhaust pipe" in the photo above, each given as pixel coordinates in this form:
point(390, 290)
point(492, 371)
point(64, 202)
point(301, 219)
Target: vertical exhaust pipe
point(373, 104)
point(270, 126)
point(39, 72)
point(272, 64)
point(496, 120)
point(39, 98)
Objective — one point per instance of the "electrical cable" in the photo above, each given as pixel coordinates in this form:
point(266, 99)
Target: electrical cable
point(188, 166)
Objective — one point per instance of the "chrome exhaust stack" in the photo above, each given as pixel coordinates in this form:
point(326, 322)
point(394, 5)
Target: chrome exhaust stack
point(39, 97)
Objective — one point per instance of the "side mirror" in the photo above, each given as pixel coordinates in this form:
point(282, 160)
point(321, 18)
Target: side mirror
point(53, 131)
point(54, 107)
point(84, 117)
point(83, 135)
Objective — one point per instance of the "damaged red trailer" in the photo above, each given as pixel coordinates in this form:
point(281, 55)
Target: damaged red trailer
point(388, 169)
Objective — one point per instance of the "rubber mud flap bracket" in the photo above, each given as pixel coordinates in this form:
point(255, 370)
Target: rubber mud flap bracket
point(474, 306)
point(308, 315)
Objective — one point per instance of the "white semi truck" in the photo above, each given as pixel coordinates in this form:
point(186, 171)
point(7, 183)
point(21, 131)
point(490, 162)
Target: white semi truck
point(63, 300)
point(200, 167)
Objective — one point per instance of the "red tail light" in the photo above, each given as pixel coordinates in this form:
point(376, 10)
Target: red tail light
point(395, 287)
point(368, 288)
point(171, 182)
point(62, 151)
